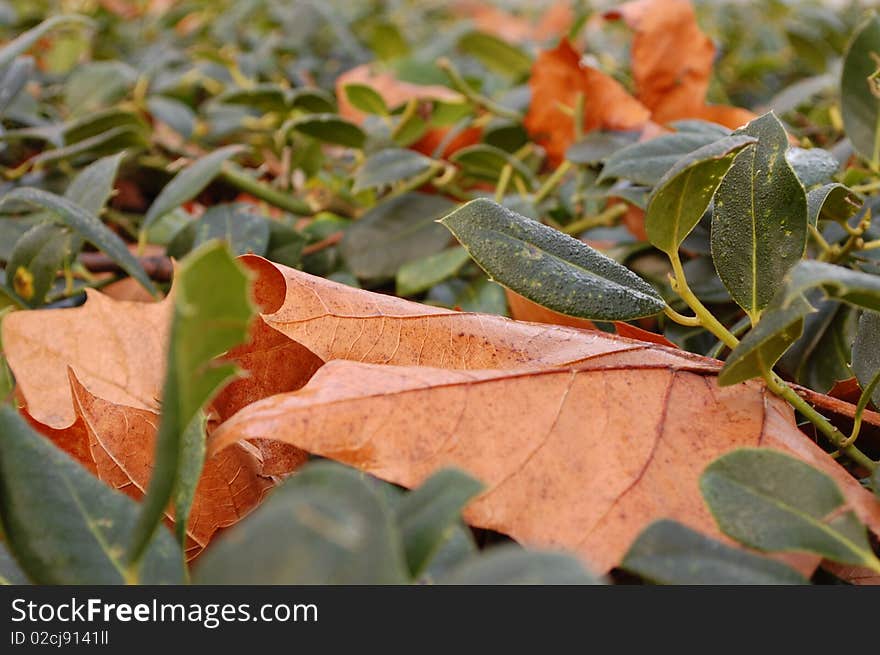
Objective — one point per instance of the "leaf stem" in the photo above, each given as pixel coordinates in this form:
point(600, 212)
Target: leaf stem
point(864, 399)
point(552, 182)
point(460, 84)
point(707, 319)
point(503, 182)
point(605, 217)
point(420, 180)
point(245, 182)
point(681, 319)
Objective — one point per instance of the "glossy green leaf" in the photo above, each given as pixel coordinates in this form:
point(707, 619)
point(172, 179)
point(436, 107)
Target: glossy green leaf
point(599, 145)
point(859, 99)
point(93, 186)
point(397, 231)
point(189, 183)
point(388, 166)
point(773, 502)
point(330, 128)
point(683, 195)
point(486, 162)
point(238, 224)
point(549, 267)
point(669, 553)
point(496, 54)
point(212, 312)
point(87, 226)
point(759, 222)
point(36, 259)
point(832, 202)
point(422, 274)
point(427, 515)
point(62, 523)
point(366, 99)
point(325, 525)
point(23, 42)
point(812, 165)
point(510, 565)
point(866, 352)
point(646, 162)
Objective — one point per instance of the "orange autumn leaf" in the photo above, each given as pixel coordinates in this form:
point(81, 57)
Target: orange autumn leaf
point(556, 20)
point(557, 78)
point(523, 309)
point(634, 332)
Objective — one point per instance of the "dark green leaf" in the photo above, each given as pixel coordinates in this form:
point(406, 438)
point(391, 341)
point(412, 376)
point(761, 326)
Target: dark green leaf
point(366, 99)
point(178, 116)
point(62, 523)
point(549, 267)
point(773, 502)
point(832, 202)
point(696, 126)
point(682, 196)
point(98, 123)
point(192, 458)
point(496, 54)
point(188, 183)
point(510, 565)
point(87, 226)
point(325, 525)
point(397, 231)
point(759, 223)
point(238, 224)
point(93, 186)
point(36, 259)
point(597, 146)
point(264, 97)
point(330, 128)
point(97, 84)
point(111, 141)
point(427, 515)
point(866, 352)
point(212, 311)
point(859, 100)
point(422, 274)
point(812, 166)
point(313, 100)
point(667, 552)
point(481, 295)
point(13, 79)
point(647, 161)
point(10, 571)
point(486, 162)
point(388, 166)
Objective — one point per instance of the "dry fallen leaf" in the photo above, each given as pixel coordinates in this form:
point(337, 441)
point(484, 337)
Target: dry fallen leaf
point(556, 20)
point(523, 309)
point(557, 78)
point(581, 458)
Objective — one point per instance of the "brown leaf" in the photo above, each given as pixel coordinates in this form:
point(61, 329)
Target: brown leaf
point(634, 332)
point(523, 309)
point(557, 79)
point(581, 458)
point(556, 20)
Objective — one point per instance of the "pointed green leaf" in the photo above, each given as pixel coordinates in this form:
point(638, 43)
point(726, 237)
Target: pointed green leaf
point(88, 226)
point(866, 352)
point(773, 502)
point(388, 166)
point(486, 163)
point(111, 141)
point(422, 274)
point(36, 259)
point(812, 165)
point(667, 553)
point(646, 162)
point(62, 523)
point(189, 183)
point(859, 91)
point(366, 99)
point(599, 145)
point(681, 198)
point(192, 459)
point(325, 525)
point(13, 79)
point(496, 54)
point(330, 128)
point(510, 565)
point(93, 186)
point(427, 515)
point(238, 224)
point(23, 42)
point(549, 267)
point(832, 202)
point(759, 223)
point(212, 312)
point(837, 282)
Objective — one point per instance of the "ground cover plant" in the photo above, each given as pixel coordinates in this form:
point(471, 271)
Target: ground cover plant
point(428, 292)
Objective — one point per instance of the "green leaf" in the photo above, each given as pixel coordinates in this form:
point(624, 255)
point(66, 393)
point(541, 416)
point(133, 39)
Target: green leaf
point(330, 128)
point(189, 183)
point(397, 231)
point(759, 223)
point(23, 42)
point(773, 502)
point(837, 282)
point(212, 311)
point(599, 145)
point(10, 571)
point(313, 100)
point(486, 163)
point(697, 126)
point(762, 347)
point(832, 202)
point(427, 515)
point(36, 259)
point(88, 226)
point(177, 115)
point(457, 548)
point(859, 100)
point(646, 162)
point(263, 97)
point(93, 186)
point(100, 122)
point(496, 54)
point(510, 565)
point(13, 79)
point(481, 295)
point(96, 84)
point(325, 525)
point(366, 99)
point(111, 141)
point(192, 459)
point(285, 244)
point(866, 352)
point(62, 523)
point(669, 553)
point(549, 267)
point(682, 196)
point(812, 166)
point(422, 274)
point(238, 224)
point(388, 166)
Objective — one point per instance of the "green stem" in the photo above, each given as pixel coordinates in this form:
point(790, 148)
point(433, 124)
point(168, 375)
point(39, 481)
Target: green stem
point(871, 245)
point(465, 89)
point(552, 182)
point(606, 217)
point(420, 180)
point(681, 319)
point(680, 286)
point(245, 182)
point(864, 399)
point(737, 329)
point(503, 182)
